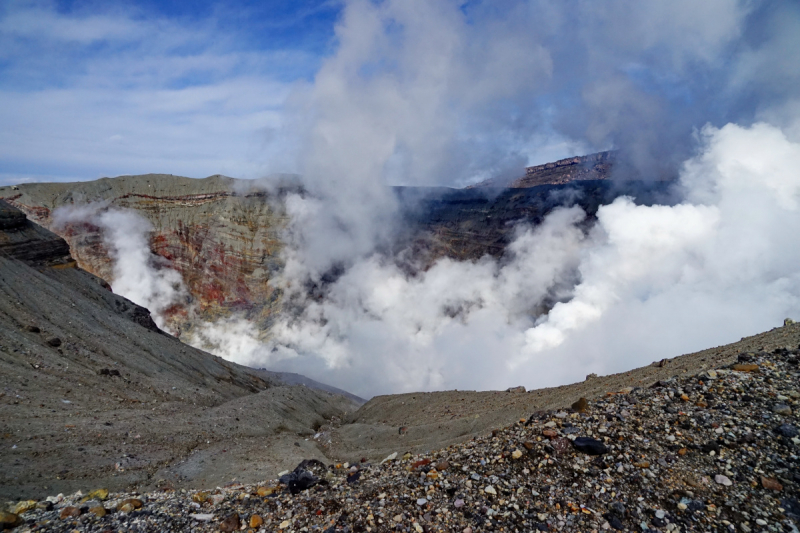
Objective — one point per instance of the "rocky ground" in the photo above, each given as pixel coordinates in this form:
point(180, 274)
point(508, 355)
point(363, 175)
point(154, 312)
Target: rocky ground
point(716, 451)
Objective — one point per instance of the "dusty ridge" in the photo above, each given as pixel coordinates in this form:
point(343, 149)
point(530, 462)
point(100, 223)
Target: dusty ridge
point(434, 420)
point(712, 452)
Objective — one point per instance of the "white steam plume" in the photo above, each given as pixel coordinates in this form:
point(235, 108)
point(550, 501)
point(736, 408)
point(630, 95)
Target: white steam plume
point(138, 274)
point(644, 283)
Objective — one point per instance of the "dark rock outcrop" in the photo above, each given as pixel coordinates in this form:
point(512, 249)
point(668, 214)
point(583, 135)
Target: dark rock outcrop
point(24, 241)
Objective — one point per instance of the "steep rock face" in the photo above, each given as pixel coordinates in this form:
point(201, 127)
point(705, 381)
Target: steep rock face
point(22, 240)
point(225, 243)
point(589, 167)
point(93, 395)
point(224, 237)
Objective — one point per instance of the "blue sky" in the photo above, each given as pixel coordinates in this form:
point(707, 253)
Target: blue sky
point(92, 89)
point(410, 91)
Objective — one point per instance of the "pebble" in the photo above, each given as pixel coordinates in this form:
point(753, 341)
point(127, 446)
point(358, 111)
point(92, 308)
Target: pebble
point(589, 446)
point(771, 484)
point(421, 501)
point(490, 490)
point(202, 517)
point(581, 405)
point(230, 523)
point(69, 512)
point(723, 480)
point(459, 503)
point(256, 521)
point(782, 409)
point(23, 506)
point(516, 454)
point(9, 520)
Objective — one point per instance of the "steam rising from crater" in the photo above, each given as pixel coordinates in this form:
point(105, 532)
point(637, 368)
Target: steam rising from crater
point(447, 93)
point(425, 92)
point(139, 275)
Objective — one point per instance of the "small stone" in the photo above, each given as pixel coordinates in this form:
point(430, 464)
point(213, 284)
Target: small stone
point(284, 524)
point(589, 446)
point(761, 522)
point(441, 466)
point(230, 524)
point(126, 506)
point(550, 433)
point(643, 464)
point(581, 405)
point(459, 503)
point(490, 490)
point(467, 530)
point(421, 501)
point(264, 491)
point(9, 520)
point(745, 367)
point(516, 454)
point(771, 483)
point(787, 430)
point(69, 512)
point(200, 497)
point(684, 397)
point(398, 518)
point(660, 514)
point(782, 409)
point(516, 389)
point(202, 517)
point(561, 445)
point(33, 329)
point(407, 456)
point(99, 511)
point(98, 494)
point(682, 506)
point(256, 521)
point(216, 499)
point(723, 480)
point(55, 342)
point(391, 457)
point(712, 374)
point(23, 506)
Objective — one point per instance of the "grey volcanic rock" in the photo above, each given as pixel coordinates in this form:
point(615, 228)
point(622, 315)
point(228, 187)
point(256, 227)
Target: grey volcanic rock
point(222, 236)
point(589, 167)
point(160, 414)
point(22, 240)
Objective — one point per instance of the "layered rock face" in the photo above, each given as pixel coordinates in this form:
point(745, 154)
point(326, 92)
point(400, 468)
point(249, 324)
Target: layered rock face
point(225, 238)
point(589, 167)
point(22, 240)
point(225, 244)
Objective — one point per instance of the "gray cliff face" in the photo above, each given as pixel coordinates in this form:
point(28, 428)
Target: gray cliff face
point(91, 390)
point(225, 244)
